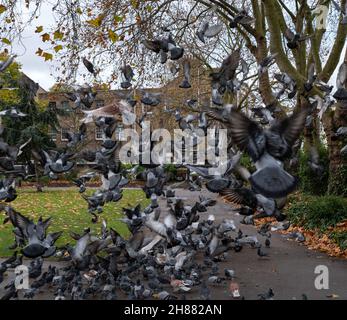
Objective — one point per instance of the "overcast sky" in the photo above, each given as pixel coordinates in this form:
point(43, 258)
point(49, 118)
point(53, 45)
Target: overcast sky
point(33, 65)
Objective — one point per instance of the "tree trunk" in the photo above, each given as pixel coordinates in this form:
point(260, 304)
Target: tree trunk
point(337, 165)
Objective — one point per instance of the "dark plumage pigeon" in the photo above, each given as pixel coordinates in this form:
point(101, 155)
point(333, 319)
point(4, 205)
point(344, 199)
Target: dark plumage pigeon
point(59, 163)
point(311, 77)
point(242, 18)
point(39, 244)
point(164, 47)
point(266, 62)
point(89, 66)
point(268, 148)
point(227, 70)
point(293, 39)
point(81, 181)
point(186, 81)
point(75, 138)
point(150, 99)
point(128, 74)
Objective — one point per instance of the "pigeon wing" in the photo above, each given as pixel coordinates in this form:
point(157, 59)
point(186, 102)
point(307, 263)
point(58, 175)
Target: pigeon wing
point(246, 134)
point(213, 30)
point(291, 127)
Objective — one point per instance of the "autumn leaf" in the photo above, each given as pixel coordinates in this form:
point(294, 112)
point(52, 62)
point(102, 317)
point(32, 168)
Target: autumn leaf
point(2, 8)
point(96, 22)
point(79, 10)
point(118, 19)
point(45, 37)
point(6, 41)
point(47, 56)
point(39, 29)
point(57, 35)
point(138, 19)
point(39, 52)
point(113, 36)
point(58, 48)
point(134, 3)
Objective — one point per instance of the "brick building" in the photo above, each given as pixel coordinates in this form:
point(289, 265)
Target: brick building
point(172, 97)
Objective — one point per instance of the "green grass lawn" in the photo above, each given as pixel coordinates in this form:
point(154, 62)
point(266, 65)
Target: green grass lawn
point(68, 211)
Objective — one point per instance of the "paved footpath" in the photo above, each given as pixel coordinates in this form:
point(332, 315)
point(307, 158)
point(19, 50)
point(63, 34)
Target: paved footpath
point(289, 270)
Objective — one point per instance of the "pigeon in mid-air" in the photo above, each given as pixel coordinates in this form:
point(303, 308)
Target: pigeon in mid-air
point(208, 31)
point(293, 39)
point(12, 113)
point(268, 149)
point(241, 18)
point(128, 74)
point(89, 66)
point(186, 81)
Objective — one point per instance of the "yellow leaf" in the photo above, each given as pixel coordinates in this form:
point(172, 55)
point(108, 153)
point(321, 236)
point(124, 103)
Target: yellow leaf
point(134, 3)
point(39, 29)
point(58, 48)
point(45, 37)
point(47, 56)
point(6, 41)
point(39, 52)
point(2, 8)
point(113, 36)
point(57, 35)
point(79, 10)
point(97, 21)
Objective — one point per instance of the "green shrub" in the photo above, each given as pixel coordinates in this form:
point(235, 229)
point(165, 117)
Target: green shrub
point(317, 212)
point(338, 182)
point(309, 182)
point(340, 237)
point(247, 162)
point(71, 175)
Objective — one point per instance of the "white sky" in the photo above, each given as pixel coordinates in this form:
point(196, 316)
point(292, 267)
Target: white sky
point(33, 65)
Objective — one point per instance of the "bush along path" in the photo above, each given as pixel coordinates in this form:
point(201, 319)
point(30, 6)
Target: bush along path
point(322, 220)
point(319, 222)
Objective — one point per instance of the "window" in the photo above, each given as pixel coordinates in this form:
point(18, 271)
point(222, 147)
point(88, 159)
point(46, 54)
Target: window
point(99, 103)
point(98, 134)
point(65, 105)
point(63, 132)
point(52, 104)
point(52, 134)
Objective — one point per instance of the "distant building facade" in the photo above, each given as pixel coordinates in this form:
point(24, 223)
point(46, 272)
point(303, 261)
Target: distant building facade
point(172, 97)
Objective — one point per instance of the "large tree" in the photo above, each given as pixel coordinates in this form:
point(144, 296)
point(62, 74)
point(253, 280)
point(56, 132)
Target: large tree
point(18, 91)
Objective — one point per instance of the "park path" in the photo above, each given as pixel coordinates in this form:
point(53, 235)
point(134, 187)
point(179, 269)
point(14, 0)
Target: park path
point(289, 270)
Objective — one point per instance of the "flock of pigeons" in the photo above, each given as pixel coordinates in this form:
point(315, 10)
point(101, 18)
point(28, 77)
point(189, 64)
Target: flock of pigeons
point(160, 258)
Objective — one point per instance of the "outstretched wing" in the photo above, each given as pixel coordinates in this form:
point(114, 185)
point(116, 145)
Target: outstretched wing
point(291, 127)
point(20, 221)
point(246, 134)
